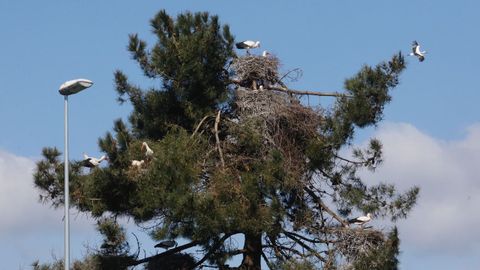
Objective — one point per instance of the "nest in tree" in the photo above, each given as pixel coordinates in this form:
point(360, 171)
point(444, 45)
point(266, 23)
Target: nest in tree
point(353, 243)
point(252, 70)
point(282, 121)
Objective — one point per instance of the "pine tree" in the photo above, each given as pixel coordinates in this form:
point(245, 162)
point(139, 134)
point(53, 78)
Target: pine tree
point(228, 160)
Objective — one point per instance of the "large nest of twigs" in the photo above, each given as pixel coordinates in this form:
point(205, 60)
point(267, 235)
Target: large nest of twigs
point(354, 243)
point(282, 121)
point(253, 70)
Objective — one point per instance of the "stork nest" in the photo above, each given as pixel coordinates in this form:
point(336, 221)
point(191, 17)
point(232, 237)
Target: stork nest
point(253, 70)
point(354, 243)
point(282, 121)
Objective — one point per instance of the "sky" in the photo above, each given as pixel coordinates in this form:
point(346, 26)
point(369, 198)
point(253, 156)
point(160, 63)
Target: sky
point(430, 132)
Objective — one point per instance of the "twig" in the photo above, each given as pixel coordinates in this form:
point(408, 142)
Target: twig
point(138, 246)
point(288, 73)
point(217, 120)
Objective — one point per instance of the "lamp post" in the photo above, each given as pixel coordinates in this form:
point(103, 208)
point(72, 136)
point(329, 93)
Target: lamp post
point(66, 89)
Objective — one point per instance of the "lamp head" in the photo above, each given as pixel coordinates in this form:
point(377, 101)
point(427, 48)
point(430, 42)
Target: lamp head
point(74, 86)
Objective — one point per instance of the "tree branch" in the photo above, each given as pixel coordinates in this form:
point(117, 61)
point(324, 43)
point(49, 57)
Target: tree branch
point(313, 241)
point(299, 92)
point(306, 92)
point(217, 120)
point(213, 249)
point(305, 246)
point(323, 206)
point(269, 264)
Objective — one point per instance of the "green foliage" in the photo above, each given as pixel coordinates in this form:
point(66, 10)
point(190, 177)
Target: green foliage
point(370, 91)
point(190, 59)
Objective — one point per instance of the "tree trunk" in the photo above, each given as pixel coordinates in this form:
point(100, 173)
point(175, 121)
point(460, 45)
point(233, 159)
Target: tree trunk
point(252, 257)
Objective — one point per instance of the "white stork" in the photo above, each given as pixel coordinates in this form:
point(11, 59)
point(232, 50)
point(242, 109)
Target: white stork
point(360, 220)
point(265, 54)
point(137, 163)
point(417, 52)
point(248, 44)
point(166, 244)
point(148, 150)
point(91, 162)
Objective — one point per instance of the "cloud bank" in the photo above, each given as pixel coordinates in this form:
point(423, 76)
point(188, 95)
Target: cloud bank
point(446, 218)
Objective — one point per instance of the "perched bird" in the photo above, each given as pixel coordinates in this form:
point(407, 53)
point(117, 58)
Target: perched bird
point(417, 52)
point(265, 54)
point(148, 150)
point(137, 163)
point(91, 162)
point(248, 44)
point(360, 220)
point(166, 244)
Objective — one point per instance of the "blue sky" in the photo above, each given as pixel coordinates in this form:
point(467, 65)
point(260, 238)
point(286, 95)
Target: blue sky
point(44, 43)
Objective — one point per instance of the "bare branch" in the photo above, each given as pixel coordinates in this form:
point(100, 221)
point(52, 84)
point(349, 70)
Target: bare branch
point(313, 241)
point(217, 120)
point(298, 73)
point(306, 92)
point(305, 246)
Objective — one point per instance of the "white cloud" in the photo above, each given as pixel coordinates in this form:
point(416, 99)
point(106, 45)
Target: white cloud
point(20, 210)
point(446, 217)
point(31, 229)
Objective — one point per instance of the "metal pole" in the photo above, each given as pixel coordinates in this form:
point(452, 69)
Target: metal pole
point(66, 195)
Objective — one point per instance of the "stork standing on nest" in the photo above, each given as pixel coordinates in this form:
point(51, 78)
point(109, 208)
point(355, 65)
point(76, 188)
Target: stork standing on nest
point(91, 162)
point(247, 45)
point(417, 52)
point(360, 220)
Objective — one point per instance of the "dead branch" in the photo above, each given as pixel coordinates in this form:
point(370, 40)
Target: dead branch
point(217, 120)
point(306, 92)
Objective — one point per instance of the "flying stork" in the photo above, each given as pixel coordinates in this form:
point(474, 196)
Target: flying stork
point(148, 150)
point(91, 162)
point(417, 52)
point(166, 244)
point(247, 44)
point(360, 220)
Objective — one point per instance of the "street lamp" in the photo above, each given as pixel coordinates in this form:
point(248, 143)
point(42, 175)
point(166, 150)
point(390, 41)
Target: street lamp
point(66, 89)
